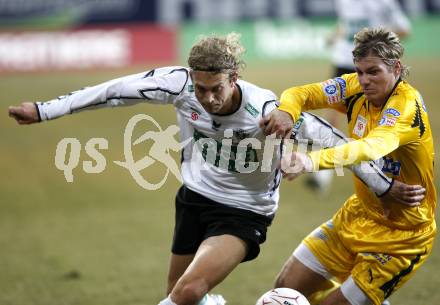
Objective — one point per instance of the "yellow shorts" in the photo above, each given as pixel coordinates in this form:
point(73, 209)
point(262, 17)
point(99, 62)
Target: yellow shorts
point(380, 259)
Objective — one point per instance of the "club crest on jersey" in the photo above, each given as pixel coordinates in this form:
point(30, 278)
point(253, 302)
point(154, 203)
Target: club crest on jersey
point(190, 88)
point(359, 127)
point(194, 116)
point(252, 110)
point(330, 90)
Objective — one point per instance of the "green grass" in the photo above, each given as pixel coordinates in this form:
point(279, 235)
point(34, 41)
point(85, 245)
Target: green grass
point(104, 240)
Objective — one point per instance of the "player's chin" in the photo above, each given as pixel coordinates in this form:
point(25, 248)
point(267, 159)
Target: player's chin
point(215, 110)
point(370, 94)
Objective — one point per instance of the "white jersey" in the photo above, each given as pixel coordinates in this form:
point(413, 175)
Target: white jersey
point(353, 15)
point(225, 176)
point(228, 158)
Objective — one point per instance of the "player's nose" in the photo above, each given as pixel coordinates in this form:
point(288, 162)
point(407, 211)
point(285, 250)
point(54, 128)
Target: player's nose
point(210, 98)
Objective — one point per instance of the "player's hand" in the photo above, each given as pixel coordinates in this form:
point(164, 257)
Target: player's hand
point(26, 113)
point(277, 122)
point(295, 164)
point(409, 195)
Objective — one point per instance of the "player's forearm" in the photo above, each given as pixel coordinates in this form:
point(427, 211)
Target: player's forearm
point(370, 148)
point(373, 177)
point(317, 129)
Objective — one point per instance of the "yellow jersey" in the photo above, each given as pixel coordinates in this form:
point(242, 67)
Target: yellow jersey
point(398, 134)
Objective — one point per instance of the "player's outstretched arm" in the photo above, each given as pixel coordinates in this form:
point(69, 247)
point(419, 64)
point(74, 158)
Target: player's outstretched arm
point(159, 86)
point(24, 114)
point(314, 128)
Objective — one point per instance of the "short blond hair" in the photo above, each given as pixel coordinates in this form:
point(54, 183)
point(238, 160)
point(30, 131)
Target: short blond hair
point(218, 54)
point(381, 43)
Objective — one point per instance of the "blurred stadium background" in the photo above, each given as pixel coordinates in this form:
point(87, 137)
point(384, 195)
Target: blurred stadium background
point(102, 239)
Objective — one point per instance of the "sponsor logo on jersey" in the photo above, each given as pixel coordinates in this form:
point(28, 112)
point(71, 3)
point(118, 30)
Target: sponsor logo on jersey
point(330, 90)
point(215, 125)
point(298, 124)
point(329, 224)
point(359, 127)
point(387, 121)
point(392, 111)
point(252, 110)
point(389, 117)
point(342, 86)
point(213, 152)
point(320, 234)
point(380, 257)
point(391, 166)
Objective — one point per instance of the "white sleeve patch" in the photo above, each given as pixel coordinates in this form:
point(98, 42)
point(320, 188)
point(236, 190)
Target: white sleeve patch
point(331, 91)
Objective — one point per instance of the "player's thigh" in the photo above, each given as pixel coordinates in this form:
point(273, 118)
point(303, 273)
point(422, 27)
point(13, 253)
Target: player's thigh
point(216, 257)
point(178, 265)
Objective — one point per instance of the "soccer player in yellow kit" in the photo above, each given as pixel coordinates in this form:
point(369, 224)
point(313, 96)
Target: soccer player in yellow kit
point(372, 248)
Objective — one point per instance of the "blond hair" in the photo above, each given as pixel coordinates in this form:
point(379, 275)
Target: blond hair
point(218, 54)
point(381, 43)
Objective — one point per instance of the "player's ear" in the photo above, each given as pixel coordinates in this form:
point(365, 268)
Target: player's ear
point(233, 77)
point(397, 69)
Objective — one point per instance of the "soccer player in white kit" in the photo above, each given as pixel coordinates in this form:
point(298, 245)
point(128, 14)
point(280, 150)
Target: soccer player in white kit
point(229, 194)
point(353, 15)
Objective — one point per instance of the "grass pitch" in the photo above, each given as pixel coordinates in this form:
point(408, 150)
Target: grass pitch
point(102, 239)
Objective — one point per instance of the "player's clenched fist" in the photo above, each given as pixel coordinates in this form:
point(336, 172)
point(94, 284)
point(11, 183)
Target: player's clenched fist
point(277, 122)
point(295, 164)
point(26, 113)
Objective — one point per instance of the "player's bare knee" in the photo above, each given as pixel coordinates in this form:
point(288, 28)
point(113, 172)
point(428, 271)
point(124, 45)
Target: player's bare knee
point(189, 292)
point(170, 287)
